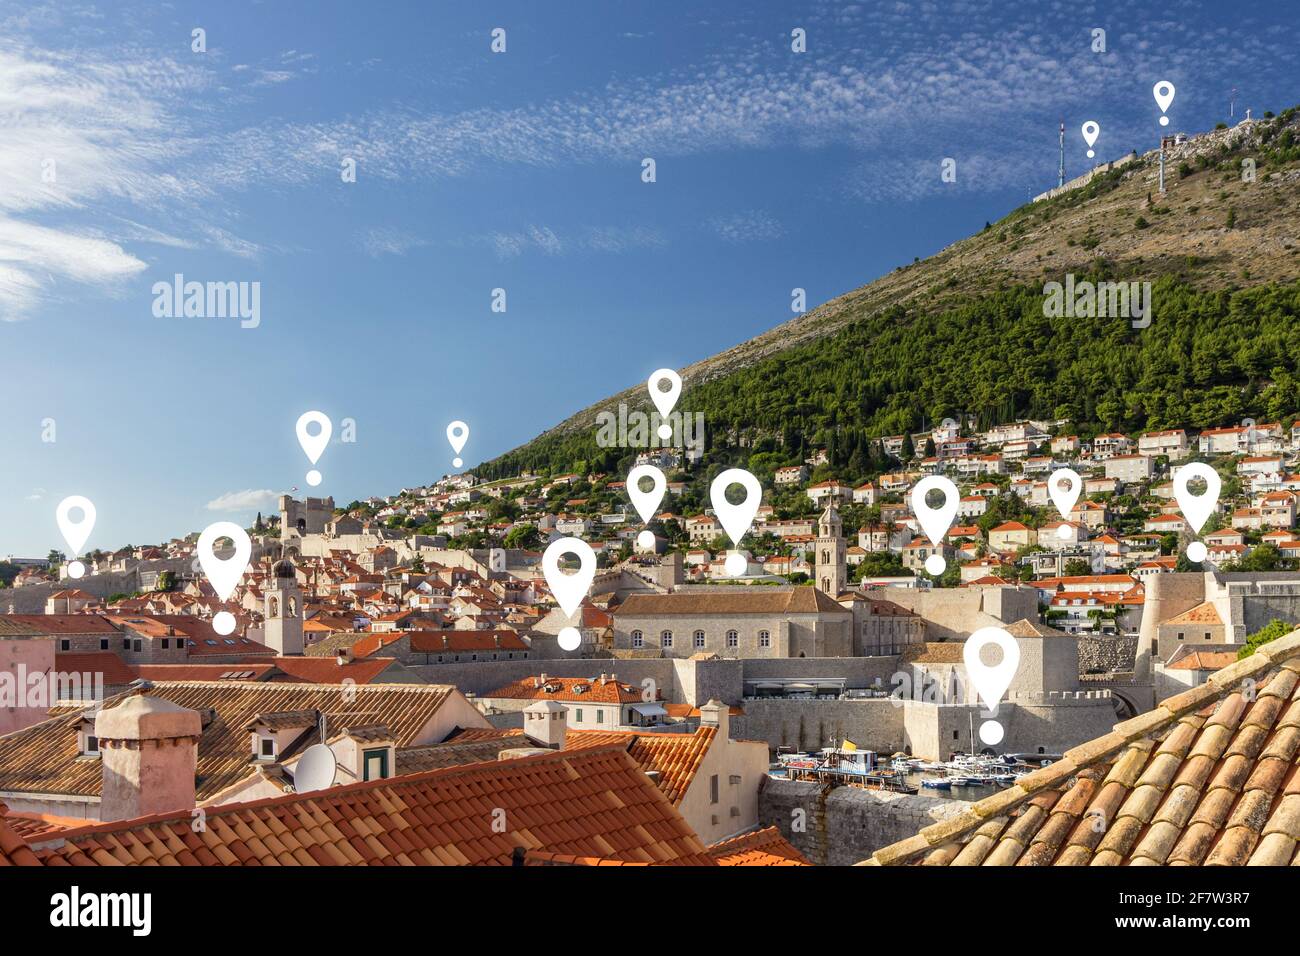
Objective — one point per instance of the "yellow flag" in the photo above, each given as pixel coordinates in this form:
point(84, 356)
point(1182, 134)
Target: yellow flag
point(848, 745)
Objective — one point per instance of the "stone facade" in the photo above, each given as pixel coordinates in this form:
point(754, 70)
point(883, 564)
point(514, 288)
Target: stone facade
point(753, 622)
point(1107, 655)
point(956, 613)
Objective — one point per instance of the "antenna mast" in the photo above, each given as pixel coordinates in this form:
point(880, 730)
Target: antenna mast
point(1060, 174)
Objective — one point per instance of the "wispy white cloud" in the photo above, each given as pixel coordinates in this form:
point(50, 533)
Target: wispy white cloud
point(946, 78)
point(389, 242)
point(245, 500)
point(547, 241)
point(77, 133)
point(31, 255)
point(753, 225)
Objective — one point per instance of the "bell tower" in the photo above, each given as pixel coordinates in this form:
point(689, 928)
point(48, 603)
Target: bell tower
point(282, 610)
point(831, 559)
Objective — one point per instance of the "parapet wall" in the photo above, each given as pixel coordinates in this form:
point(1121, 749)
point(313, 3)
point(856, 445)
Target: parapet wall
point(1086, 178)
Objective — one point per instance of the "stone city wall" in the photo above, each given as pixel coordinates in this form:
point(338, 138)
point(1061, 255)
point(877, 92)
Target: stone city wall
point(847, 824)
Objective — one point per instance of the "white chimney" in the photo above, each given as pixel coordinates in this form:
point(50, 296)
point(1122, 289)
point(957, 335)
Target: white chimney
point(149, 749)
point(716, 714)
point(545, 723)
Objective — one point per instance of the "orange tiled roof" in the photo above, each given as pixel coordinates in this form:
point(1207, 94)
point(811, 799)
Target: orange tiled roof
point(593, 803)
point(796, 600)
point(1207, 778)
point(455, 753)
point(116, 671)
point(63, 623)
point(1204, 613)
point(452, 641)
point(1203, 661)
point(171, 672)
point(765, 847)
point(43, 758)
point(593, 690)
point(675, 757)
point(326, 670)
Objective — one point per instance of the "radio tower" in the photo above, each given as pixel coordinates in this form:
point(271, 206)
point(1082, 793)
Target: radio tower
point(1060, 173)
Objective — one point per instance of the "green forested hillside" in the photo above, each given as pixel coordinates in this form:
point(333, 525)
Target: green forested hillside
point(1208, 358)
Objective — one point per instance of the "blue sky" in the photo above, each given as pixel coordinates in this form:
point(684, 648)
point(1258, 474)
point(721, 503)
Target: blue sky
point(476, 170)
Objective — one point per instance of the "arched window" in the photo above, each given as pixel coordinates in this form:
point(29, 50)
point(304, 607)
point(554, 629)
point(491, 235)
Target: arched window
point(764, 638)
point(733, 639)
point(638, 639)
point(699, 638)
point(666, 639)
point(274, 607)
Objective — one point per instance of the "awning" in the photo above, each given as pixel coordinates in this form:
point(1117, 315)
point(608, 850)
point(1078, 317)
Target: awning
point(650, 710)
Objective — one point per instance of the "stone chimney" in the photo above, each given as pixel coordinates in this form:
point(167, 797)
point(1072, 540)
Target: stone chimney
point(149, 748)
point(545, 723)
point(716, 714)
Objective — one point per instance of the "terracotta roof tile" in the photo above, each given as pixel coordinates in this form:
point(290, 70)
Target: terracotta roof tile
point(1211, 777)
point(765, 847)
point(593, 803)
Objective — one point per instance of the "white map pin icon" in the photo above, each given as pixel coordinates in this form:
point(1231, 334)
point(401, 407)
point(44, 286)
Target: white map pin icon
point(75, 533)
point(935, 522)
point(1064, 486)
point(646, 502)
point(314, 445)
point(1090, 133)
point(664, 401)
point(1164, 94)
point(735, 519)
point(224, 573)
point(1197, 508)
point(457, 435)
point(991, 681)
point(569, 589)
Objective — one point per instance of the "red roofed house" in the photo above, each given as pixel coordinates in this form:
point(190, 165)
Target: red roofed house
point(591, 703)
point(1009, 537)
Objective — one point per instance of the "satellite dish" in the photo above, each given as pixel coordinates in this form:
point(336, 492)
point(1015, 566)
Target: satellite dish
point(316, 769)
